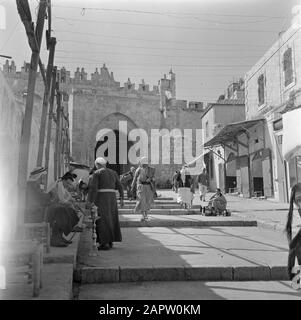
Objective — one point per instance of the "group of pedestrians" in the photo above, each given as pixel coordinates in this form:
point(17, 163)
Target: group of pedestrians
point(57, 206)
point(184, 185)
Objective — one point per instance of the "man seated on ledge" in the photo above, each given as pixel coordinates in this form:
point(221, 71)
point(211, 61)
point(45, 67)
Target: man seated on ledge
point(218, 202)
point(64, 215)
point(36, 198)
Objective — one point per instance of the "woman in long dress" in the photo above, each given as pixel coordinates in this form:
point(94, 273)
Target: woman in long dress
point(144, 178)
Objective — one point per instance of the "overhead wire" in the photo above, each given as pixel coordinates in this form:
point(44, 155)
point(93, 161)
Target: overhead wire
point(158, 65)
point(154, 55)
point(162, 41)
point(163, 26)
point(131, 46)
point(10, 35)
point(172, 13)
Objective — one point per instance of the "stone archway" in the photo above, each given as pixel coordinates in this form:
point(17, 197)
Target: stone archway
point(120, 125)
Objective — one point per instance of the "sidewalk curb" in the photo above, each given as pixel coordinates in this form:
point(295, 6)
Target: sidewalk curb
point(89, 275)
point(263, 224)
point(179, 224)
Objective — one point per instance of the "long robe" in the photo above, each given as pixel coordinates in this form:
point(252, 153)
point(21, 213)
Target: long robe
point(107, 226)
point(61, 214)
point(126, 181)
point(36, 202)
point(145, 192)
point(61, 218)
point(219, 203)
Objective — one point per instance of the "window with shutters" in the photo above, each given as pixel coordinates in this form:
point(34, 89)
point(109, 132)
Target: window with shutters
point(261, 90)
point(288, 67)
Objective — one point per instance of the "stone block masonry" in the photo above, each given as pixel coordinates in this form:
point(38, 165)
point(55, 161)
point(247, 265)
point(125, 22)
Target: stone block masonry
point(100, 102)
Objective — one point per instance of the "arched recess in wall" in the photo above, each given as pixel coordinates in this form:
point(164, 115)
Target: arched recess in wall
point(231, 165)
point(121, 125)
point(231, 179)
point(257, 173)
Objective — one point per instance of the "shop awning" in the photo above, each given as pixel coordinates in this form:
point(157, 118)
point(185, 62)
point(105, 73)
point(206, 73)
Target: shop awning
point(291, 143)
point(231, 131)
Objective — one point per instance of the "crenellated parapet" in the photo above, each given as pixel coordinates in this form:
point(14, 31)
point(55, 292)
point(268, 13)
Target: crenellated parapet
point(10, 70)
point(63, 76)
point(102, 81)
point(168, 84)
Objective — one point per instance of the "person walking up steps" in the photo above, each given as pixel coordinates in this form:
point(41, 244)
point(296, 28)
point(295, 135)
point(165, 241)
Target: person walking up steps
point(144, 178)
point(203, 183)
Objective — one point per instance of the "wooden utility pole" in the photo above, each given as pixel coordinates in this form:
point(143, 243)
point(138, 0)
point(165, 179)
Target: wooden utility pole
point(51, 44)
point(34, 39)
point(49, 127)
point(57, 171)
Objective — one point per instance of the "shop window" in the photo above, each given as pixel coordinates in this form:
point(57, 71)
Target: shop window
point(211, 168)
point(294, 170)
point(288, 67)
point(278, 125)
point(279, 139)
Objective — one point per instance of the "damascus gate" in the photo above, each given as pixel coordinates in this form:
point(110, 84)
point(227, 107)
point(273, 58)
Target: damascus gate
point(98, 102)
point(103, 113)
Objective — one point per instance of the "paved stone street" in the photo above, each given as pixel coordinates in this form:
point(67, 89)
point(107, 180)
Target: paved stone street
point(176, 96)
point(237, 257)
point(192, 290)
point(220, 255)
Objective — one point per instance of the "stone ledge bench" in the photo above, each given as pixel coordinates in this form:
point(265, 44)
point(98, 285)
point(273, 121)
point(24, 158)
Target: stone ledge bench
point(40, 232)
point(23, 256)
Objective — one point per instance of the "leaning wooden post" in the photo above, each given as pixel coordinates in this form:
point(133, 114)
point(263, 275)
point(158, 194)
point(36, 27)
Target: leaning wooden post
point(51, 43)
point(49, 126)
point(34, 38)
point(57, 137)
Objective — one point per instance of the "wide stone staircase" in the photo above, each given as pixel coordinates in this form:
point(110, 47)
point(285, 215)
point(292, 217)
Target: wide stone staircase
point(182, 245)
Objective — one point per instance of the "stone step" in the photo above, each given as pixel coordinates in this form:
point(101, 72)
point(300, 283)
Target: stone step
point(158, 206)
point(182, 254)
point(158, 200)
point(89, 275)
point(129, 221)
point(177, 211)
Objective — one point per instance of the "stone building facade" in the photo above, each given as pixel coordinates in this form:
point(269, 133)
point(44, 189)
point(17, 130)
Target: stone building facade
point(272, 87)
point(18, 84)
point(261, 155)
point(217, 116)
point(102, 103)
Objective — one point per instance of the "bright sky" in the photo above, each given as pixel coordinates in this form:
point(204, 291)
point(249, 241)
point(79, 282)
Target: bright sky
point(208, 43)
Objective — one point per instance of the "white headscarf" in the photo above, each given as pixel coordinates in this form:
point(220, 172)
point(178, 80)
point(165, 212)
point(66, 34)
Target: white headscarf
point(101, 161)
point(143, 160)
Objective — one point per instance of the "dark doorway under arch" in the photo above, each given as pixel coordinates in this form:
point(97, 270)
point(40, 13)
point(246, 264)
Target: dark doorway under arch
point(119, 168)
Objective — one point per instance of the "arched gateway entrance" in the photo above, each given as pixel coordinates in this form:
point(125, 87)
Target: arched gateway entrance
point(112, 136)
